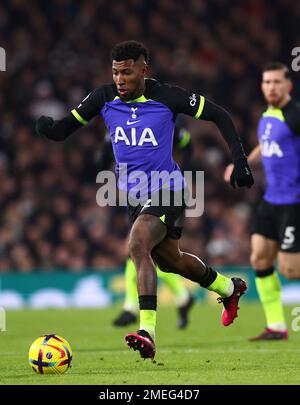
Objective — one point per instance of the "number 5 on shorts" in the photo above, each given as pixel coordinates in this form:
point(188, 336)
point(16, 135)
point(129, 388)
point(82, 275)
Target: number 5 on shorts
point(289, 237)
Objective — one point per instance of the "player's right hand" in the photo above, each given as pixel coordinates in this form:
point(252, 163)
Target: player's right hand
point(241, 175)
point(44, 125)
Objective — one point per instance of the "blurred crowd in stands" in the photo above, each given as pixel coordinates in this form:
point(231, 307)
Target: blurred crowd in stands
point(58, 51)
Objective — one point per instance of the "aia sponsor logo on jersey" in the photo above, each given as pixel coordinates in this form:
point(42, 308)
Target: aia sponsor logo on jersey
point(135, 136)
point(270, 148)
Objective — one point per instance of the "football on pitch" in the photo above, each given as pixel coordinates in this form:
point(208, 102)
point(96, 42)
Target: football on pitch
point(50, 354)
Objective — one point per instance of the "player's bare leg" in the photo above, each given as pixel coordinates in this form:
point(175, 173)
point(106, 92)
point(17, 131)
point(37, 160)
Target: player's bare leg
point(169, 258)
point(147, 232)
point(289, 265)
point(148, 243)
point(184, 299)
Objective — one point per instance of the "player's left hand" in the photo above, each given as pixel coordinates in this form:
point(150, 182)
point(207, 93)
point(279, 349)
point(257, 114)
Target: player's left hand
point(44, 125)
point(241, 175)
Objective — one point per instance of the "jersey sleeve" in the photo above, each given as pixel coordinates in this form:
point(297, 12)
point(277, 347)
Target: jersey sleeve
point(292, 117)
point(90, 106)
point(184, 102)
point(195, 105)
point(182, 137)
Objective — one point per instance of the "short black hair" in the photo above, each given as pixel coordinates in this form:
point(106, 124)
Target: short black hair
point(277, 66)
point(129, 50)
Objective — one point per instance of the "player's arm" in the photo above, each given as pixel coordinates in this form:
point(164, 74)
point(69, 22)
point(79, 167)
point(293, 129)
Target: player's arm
point(218, 115)
point(198, 107)
point(292, 117)
point(59, 130)
point(241, 174)
point(254, 156)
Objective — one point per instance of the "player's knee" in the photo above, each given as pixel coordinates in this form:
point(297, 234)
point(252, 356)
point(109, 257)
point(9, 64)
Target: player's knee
point(289, 272)
point(138, 248)
point(260, 261)
point(163, 267)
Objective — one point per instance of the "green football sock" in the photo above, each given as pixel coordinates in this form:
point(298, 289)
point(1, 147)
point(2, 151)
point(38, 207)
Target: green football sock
point(173, 281)
point(222, 285)
point(148, 321)
point(131, 295)
point(269, 291)
point(176, 285)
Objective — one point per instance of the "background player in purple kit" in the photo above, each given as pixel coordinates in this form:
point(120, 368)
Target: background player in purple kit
point(276, 226)
point(140, 115)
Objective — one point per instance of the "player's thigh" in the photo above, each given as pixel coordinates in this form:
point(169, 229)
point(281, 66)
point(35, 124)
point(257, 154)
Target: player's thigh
point(146, 233)
point(263, 252)
point(289, 265)
point(289, 242)
point(125, 250)
point(167, 255)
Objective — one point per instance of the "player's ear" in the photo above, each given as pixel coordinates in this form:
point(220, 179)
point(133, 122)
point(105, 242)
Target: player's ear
point(290, 86)
point(145, 69)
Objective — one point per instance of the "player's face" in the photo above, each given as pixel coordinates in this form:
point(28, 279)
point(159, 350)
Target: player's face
point(275, 87)
point(129, 77)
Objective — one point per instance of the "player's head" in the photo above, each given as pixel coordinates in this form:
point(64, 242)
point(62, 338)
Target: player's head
point(276, 83)
point(129, 67)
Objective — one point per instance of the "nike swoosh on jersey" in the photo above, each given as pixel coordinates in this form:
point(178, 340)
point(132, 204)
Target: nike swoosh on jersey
point(132, 122)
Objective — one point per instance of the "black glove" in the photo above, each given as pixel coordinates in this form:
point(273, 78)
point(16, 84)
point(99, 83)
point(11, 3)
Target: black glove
point(241, 174)
point(44, 126)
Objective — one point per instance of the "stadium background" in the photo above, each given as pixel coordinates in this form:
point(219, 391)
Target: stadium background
point(51, 230)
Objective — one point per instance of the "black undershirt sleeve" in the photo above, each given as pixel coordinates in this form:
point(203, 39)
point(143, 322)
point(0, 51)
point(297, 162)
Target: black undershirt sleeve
point(81, 115)
point(213, 112)
point(61, 129)
point(292, 116)
point(197, 106)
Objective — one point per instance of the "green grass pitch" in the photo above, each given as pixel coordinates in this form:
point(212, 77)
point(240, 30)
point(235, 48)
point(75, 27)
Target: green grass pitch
point(204, 353)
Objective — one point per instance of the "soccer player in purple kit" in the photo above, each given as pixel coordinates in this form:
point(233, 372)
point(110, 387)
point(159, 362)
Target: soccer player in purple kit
point(276, 226)
point(140, 116)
